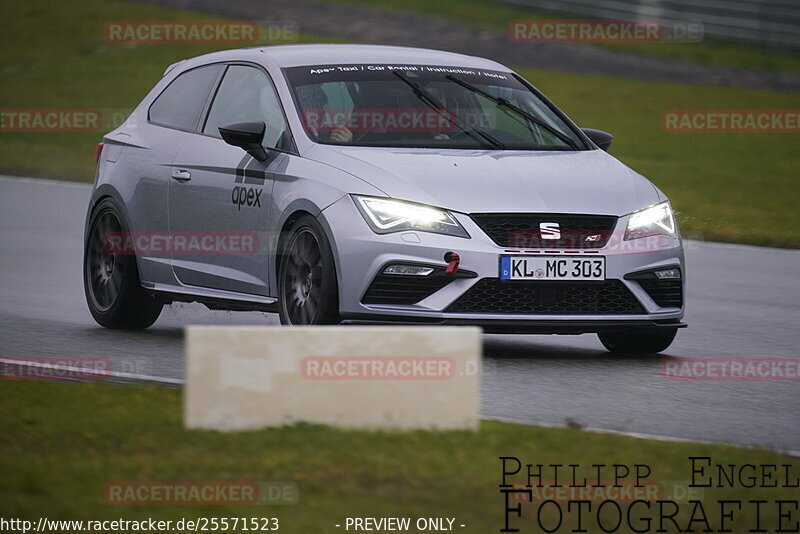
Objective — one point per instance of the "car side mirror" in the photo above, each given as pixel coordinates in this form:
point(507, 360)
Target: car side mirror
point(599, 137)
point(248, 136)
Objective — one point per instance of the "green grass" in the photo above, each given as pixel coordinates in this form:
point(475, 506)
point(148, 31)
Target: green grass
point(728, 187)
point(62, 443)
point(496, 16)
point(53, 54)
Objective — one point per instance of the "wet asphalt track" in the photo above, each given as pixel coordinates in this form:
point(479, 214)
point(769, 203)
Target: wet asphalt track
point(743, 302)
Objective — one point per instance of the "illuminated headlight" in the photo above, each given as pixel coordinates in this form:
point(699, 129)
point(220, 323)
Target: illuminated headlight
point(385, 216)
point(652, 221)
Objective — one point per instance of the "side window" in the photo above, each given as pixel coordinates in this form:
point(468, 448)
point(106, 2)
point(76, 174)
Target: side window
point(246, 94)
point(181, 103)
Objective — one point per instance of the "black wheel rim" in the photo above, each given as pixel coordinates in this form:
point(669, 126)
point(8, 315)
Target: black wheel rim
point(103, 268)
point(302, 278)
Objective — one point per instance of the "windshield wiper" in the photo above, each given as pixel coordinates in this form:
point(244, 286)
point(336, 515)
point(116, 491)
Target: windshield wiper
point(503, 102)
point(437, 106)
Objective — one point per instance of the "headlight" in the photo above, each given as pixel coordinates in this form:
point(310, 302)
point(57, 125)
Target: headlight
point(655, 220)
point(386, 216)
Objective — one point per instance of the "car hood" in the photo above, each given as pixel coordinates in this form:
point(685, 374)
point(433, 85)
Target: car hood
point(471, 181)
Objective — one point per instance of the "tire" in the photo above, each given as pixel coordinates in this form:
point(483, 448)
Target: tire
point(111, 280)
point(638, 341)
point(308, 292)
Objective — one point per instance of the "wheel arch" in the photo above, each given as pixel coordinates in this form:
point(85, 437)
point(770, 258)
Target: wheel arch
point(108, 192)
point(298, 211)
point(103, 192)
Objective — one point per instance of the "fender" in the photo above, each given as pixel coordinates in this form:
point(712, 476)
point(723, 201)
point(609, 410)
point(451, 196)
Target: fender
point(107, 191)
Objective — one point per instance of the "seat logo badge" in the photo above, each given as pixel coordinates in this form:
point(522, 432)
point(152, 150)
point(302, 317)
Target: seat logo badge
point(549, 230)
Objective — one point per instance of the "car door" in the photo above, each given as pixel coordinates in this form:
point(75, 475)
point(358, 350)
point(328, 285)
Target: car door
point(220, 195)
point(171, 120)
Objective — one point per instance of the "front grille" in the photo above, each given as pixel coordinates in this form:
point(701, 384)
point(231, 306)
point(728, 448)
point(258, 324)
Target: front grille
point(522, 230)
point(665, 293)
point(492, 295)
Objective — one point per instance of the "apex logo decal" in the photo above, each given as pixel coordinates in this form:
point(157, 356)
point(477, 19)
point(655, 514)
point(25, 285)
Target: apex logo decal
point(243, 195)
point(246, 196)
point(550, 230)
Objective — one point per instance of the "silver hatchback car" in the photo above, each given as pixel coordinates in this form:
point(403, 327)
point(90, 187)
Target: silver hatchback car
point(370, 184)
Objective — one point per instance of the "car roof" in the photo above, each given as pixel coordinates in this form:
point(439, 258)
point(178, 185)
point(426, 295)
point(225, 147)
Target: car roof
point(335, 54)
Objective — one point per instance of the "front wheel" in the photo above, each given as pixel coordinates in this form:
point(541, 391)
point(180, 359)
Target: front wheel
point(308, 290)
point(639, 341)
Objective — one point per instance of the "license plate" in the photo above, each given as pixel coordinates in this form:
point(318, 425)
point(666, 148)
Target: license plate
point(552, 268)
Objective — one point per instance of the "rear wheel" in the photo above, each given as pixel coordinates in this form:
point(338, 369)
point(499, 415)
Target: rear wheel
point(111, 280)
point(307, 277)
point(639, 341)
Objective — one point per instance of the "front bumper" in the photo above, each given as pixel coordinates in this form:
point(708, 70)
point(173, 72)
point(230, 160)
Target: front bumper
point(361, 254)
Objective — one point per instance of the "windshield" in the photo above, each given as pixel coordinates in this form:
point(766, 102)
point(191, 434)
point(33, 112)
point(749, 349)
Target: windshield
point(423, 106)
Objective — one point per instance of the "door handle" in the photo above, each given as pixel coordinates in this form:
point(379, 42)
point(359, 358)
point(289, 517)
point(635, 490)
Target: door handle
point(181, 175)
